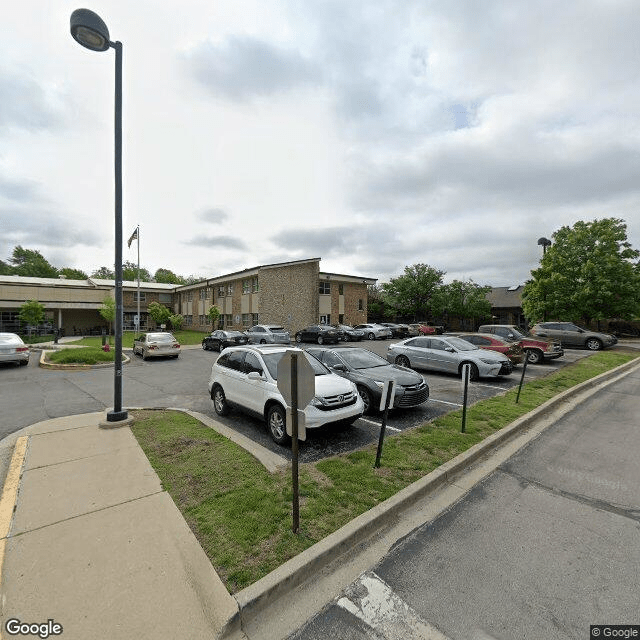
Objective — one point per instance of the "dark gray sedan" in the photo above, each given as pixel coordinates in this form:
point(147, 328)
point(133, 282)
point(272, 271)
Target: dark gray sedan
point(369, 372)
point(220, 339)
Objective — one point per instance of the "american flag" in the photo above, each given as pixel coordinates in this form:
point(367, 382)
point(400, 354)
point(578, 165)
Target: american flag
point(133, 237)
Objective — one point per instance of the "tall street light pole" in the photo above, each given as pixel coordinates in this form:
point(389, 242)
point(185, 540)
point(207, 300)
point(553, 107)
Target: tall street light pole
point(89, 30)
point(544, 243)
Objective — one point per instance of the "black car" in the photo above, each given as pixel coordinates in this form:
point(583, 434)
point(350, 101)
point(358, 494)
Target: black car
point(320, 333)
point(220, 339)
point(369, 372)
point(397, 330)
point(349, 334)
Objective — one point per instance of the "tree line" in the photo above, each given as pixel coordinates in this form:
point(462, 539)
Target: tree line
point(589, 272)
point(31, 263)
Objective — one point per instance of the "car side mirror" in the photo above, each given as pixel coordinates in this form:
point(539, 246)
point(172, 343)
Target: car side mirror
point(339, 367)
point(254, 375)
point(450, 350)
point(580, 330)
point(510, 336)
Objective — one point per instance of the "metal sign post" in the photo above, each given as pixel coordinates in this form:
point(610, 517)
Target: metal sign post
point(524, 368)
point(466, 369)
point(297, 384)
point(388, 393)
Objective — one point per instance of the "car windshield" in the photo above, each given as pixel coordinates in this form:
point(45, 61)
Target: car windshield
point(160, 337)
point(275, 329)
point(461, 345)
point(272, 360)
point(10, 339)
point(362, 359)
point(517, 334)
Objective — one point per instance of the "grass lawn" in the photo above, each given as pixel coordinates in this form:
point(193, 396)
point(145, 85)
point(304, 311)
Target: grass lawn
point(183, 337)
point(83, 355)
point(241, 514)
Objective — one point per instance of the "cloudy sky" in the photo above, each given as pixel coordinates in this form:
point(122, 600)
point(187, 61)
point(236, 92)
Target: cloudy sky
point(374, 134)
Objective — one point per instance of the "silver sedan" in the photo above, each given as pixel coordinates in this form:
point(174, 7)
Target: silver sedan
point(12, 349)
point(448, 354)
point(373, 331)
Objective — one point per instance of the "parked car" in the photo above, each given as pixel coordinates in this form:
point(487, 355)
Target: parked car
point(246, 377)
point(268, 334)
point(423, 329)
point(512, 349)
point(374, 331)
point(349, 334)
point(369, 372)
point(571, 335)
point(220, 339)
point(13, 349)
point(443, 353)
point(536, 349)
point(152, 345)
point(397, 330)
point(320, 333)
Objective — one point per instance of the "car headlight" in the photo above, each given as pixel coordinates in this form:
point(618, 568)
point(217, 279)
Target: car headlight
point(379, 384)
point(487, 361)
point(318, 402)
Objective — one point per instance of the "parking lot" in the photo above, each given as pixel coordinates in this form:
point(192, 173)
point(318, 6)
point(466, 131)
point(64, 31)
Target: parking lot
point(31, 394)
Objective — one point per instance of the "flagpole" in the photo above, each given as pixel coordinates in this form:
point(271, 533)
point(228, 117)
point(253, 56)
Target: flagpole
point(138, 237)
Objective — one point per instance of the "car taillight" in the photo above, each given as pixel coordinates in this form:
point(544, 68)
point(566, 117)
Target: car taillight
point(152, 347)
point(176, 346)
point(20, 349)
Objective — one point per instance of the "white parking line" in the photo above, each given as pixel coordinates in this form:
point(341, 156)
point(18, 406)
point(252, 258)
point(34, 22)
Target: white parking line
point(378, 424)
point(453, 404)
point(490, 386)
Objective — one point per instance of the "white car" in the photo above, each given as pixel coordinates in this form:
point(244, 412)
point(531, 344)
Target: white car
point(373, 331)
point(246, 377)
point(153, 345)
point(12, 349)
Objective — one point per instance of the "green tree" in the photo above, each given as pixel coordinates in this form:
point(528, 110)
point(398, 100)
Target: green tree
point(31, 313)
point(214, 314)
point(103, 273)
point(590, 272)
point(412, 293)
point(73, 274)
point(130, 272)
point(167, 276)
point(5, 269)
point(108, 310)
point(28, 262)
point(176, 321)
point(462, 299)
point(158, 312)
point(376, 308)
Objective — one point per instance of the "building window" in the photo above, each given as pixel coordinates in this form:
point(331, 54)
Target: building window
point(325, 288)
point(221, 321)
point(325, 319)
point(254, 319)
point(360, 305)
point(341, 318)
point(246, 286)
point(230, 289)
point(188, 320)
point(189, 296)
point(341, 289)
point(205, 293)
point(254, 285)
point(246, 320)
point(165, 297)
point(229, 320)
point(143, 296)
point(201, 320)
point(221, 291)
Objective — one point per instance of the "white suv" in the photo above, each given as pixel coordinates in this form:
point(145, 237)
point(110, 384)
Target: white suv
point(246, 377)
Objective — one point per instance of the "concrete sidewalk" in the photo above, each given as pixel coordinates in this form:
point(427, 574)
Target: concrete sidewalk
point(97, 546)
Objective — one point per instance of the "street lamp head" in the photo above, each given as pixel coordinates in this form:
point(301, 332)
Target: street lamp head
point(544, 242)
point(89, 30)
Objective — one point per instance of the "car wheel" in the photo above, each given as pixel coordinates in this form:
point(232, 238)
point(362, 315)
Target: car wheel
point(593, 344)
point(205, 347)
point(366, 398)
point(263, 341)
point(24, 363)
point(534, 356)
point(218, 347)
point(298, 339)
point(403, 361)
point(219, 400)
point(371, 336)
point(474, 374)
point(144, 355)
point(320, 339)
point(277, 425)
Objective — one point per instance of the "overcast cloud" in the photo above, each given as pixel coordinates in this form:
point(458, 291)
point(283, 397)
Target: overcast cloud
point(372, 134)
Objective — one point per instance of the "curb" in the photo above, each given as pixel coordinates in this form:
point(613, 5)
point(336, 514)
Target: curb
point(314, 559)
